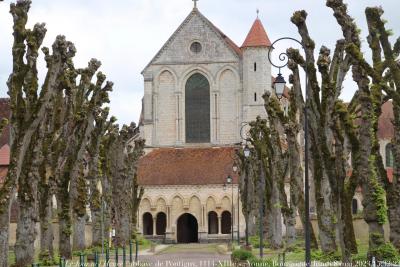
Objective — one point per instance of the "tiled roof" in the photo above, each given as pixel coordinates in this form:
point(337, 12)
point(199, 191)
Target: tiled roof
point(385, 127)
point(4, 113)
point(186, 166)
point(5, 155)
point(257, 36)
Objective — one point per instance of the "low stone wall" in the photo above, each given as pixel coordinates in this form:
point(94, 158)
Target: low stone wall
point(13, 227)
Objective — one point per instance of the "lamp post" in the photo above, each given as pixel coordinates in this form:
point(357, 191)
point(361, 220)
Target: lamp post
point(235, 169)
point(229, 181)
point(246, 152)
point(279, 86)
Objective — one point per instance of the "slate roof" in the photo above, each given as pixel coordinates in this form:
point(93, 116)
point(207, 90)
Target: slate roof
point(187, 166)
point(257, 36)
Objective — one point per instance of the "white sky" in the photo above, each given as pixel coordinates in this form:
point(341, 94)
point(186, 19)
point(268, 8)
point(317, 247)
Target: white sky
point(124, 35)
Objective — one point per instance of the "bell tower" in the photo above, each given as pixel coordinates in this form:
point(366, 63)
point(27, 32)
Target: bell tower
point(256, 71)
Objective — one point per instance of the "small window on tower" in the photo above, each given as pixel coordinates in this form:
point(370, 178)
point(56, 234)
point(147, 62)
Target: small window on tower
point(255, 66)
point(255, 97)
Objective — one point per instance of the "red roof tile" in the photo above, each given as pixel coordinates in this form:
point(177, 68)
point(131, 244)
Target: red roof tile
point(385, 125)
point(257, 36)
point(4, 113)
point(5, 155)
point(186, 166)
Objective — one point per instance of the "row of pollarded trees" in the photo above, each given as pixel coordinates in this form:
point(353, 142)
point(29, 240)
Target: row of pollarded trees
point(63, 144)
point(337, 132)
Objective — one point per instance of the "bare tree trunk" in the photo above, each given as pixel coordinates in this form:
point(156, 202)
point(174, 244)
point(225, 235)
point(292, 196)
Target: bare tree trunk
point(64, 222)
point(46, 228)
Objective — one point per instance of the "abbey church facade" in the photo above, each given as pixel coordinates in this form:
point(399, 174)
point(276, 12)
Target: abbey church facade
point(199, 89)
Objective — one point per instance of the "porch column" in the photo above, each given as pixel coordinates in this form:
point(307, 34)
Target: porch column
point(219, 224)
point(154, 226)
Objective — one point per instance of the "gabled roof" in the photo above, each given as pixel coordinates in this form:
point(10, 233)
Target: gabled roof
point(187, 166)
point(257, 36)
point(229, 43)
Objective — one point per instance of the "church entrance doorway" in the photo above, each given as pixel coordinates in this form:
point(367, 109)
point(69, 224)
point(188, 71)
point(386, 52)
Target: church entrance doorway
point(187, 229)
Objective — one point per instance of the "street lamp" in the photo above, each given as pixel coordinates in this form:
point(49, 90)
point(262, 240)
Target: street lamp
point(229, 181)
point(279, 86)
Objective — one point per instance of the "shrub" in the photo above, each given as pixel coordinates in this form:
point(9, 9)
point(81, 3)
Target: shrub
point(321, 256)
point(242, 255)
point(386, 252)
point(255, 242)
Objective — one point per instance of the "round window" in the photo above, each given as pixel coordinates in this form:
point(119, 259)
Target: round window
point(195, 47)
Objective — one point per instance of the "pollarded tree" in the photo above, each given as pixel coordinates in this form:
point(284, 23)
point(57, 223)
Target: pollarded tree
point(285, 129)
point(82, 102)
point(28, 105)
point(123, 161)
point(95, 173)
point(329, 151)
point(371, 82)
point(380, 43)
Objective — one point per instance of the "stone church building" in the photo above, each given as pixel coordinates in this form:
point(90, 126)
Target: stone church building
point(198, 90)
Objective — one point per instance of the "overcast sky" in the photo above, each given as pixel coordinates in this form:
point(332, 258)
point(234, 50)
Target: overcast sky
point(125, 34)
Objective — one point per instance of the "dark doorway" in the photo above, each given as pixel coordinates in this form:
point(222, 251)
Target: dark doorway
point(212, 222)
point(197, 109)
point(226, 222)
point(354, 206)
point(161, 223)
point(187, 229)
point(147, 224)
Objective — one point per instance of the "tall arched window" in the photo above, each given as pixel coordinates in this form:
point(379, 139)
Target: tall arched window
point(389, 155)
point(197, 109)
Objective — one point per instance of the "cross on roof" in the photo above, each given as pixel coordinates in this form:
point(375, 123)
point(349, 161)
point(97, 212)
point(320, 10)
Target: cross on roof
point(195, 3)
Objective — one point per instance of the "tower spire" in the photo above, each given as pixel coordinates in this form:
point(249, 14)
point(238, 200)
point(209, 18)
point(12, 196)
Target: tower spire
point(195, 4)
point(257, 11)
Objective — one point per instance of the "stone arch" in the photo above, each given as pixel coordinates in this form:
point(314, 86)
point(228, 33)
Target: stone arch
point(195, 206)
point(145, 204)
point(147, 224)
point(161, 204)
point(226, 222)
point(228, 105)
point(165, 107)
point(211, 204)
point(198, 69)
point(228, 67)
point(226, 203)
point(177, 204)
point(163, 70)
